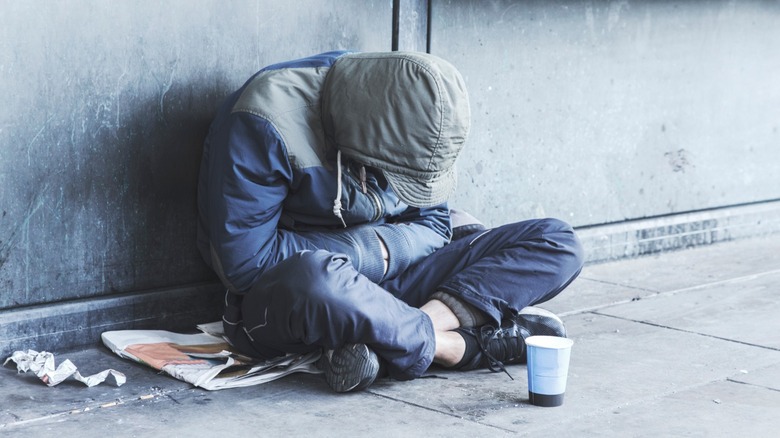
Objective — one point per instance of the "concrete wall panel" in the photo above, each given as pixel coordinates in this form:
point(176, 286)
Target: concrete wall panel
point(105, 106)
point(600, 112)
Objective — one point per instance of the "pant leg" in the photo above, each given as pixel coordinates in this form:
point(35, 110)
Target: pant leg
point(318, 300)
point(498, 271)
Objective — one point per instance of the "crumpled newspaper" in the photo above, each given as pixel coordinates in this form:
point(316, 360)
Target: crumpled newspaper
point(42, 364)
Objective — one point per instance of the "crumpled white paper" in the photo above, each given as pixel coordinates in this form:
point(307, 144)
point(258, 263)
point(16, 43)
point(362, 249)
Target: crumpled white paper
point(42, 364)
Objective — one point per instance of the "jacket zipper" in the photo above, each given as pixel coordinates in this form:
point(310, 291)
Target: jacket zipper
point(377, 204)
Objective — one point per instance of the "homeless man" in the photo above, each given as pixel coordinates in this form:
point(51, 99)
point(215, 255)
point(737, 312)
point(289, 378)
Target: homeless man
point(322, 206)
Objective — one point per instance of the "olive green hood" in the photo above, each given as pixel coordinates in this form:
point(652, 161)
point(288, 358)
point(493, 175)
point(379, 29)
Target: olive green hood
point(404, 113)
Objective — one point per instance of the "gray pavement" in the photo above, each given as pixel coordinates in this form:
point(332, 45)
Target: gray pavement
point(685, 343)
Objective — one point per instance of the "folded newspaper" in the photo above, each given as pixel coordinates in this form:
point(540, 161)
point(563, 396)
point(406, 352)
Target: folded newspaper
point(204, 359)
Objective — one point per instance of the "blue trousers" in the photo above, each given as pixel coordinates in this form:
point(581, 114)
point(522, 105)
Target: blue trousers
point(317, 299)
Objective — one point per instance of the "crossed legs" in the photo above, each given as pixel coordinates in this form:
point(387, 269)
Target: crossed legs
point(318, 300)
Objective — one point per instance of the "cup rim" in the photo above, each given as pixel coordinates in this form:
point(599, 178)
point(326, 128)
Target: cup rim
point(550, 342)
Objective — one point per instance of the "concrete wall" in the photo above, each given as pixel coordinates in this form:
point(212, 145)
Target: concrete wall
point(105, 107)
point(606, 111)
point(594, 112)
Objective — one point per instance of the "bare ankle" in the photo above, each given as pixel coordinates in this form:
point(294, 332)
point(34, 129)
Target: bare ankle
point(450, 347)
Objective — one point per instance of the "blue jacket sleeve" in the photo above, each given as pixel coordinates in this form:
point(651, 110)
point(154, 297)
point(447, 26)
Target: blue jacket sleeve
point(414, 235)
point(408, 237)
point(242, 189)
point(248, 177)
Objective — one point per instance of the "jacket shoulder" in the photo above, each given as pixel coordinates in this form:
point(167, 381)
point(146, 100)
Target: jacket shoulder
point(283, 87)
point(288, 97)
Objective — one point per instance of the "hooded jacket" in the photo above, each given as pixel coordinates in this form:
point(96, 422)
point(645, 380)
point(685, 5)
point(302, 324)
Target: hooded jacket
point(269, 177)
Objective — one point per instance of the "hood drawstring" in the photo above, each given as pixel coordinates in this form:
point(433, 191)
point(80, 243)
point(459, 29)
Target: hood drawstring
point(337, 201)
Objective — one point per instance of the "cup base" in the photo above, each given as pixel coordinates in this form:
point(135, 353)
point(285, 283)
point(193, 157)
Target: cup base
point(545, 400)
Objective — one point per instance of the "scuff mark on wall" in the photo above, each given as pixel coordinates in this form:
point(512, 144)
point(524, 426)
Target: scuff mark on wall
point(35, 138)
point(614, 14)
point(10, 241)
point(166, 86)
point(678, 160)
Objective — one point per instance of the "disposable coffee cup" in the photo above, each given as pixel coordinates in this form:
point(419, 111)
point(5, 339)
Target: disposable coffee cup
point(548, 369)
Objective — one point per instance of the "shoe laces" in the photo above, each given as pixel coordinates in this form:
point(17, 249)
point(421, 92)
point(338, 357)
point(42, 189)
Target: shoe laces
point(503, 343)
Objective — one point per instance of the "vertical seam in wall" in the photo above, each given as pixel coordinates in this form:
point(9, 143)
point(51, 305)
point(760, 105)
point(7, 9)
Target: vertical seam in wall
point(429, 10)
point(396, 24)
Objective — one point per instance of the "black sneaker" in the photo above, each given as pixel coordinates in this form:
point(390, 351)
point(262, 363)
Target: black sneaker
point(490, 347)
point(539, 322)
point(352, 367)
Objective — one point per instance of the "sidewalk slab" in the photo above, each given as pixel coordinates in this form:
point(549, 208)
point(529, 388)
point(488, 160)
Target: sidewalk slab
point(585, 295)
point(696, 267)
point(295, 407)
point(614, 362)
point(744, 310)
point(607, 284)
point(717, 409)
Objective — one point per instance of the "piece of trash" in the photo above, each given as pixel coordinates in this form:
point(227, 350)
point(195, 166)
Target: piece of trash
point(716, 400)
point(42, 364)
point(743, 371)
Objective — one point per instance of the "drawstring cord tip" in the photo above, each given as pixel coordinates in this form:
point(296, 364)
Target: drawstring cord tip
point(337, 201)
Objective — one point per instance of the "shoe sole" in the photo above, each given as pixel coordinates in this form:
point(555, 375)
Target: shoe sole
point(351, 368)
point(540, 322)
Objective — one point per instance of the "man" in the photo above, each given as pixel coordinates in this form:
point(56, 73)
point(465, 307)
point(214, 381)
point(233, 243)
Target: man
point(322, 202)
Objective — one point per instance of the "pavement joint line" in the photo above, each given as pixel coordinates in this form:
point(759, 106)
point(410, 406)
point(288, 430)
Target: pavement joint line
point(720, 282)
point(33, 420)
point(752, 384)
point(614, 303)
point(655, 294)
point(95, 406)
point(593, 309)
point(687, 331)
point(438, 411)
point(90, 408)
point(613, 283)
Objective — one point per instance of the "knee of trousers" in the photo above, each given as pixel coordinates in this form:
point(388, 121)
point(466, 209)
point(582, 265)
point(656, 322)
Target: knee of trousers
point(309, 279)
point(561, 236)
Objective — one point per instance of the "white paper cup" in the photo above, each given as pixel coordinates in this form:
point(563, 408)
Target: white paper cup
point(548, 369)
